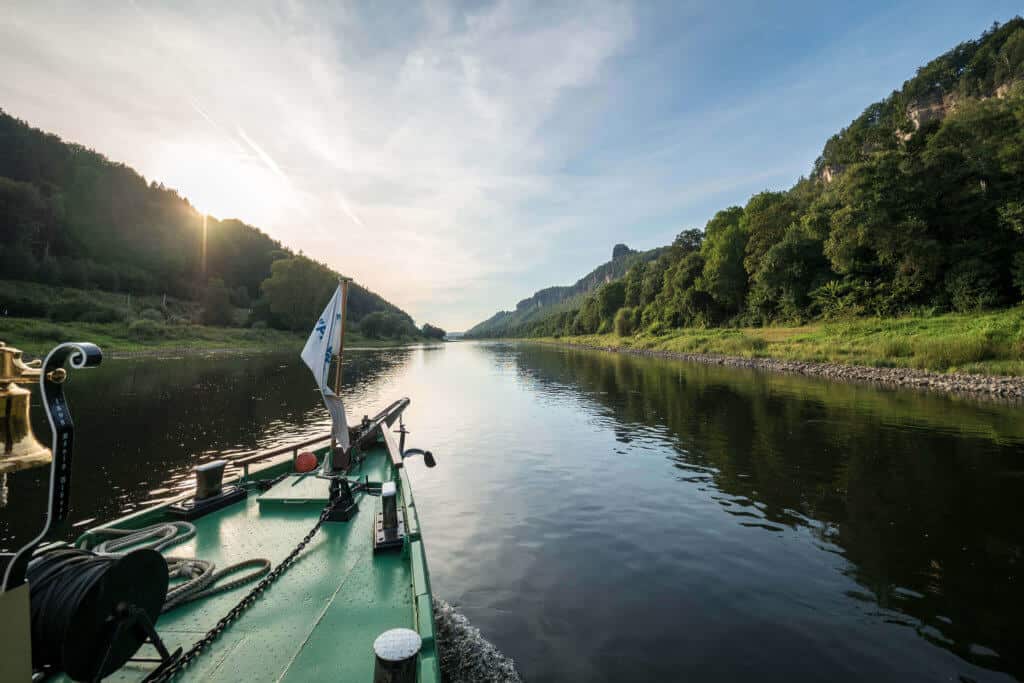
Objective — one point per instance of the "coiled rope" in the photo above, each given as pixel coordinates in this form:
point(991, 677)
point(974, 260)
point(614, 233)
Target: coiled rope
point(61, 580)
point(76, 594)
point(201, 577)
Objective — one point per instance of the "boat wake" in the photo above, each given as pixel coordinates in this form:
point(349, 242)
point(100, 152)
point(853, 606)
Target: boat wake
point(464, 654)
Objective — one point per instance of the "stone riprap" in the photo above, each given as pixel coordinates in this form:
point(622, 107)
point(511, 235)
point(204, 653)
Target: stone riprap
point(982, 386)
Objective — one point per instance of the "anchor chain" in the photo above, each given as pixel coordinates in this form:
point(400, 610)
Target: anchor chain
point(163, 674)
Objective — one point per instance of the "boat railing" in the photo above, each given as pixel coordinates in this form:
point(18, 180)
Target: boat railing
point(294, 449)
point(369, 427)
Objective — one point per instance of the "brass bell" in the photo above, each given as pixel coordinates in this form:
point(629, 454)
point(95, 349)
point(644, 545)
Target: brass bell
point(19, 448)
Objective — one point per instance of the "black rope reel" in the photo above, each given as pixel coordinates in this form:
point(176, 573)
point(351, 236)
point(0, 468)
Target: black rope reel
point(91, 613)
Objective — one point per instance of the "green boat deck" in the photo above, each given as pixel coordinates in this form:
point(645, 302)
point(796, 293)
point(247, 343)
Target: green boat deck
point(319, 619)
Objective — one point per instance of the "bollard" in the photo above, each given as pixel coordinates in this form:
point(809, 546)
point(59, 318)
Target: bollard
point(208, 479)
point(388, 525)
point(389, 505)
point(396, 656)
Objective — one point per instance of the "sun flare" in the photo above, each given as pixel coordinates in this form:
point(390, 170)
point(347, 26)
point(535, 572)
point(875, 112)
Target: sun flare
point(222, 181)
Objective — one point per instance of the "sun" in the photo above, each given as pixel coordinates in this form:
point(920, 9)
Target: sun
point(221, 180)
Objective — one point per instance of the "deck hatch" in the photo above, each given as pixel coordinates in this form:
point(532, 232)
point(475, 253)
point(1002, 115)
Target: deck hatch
point(296, 490)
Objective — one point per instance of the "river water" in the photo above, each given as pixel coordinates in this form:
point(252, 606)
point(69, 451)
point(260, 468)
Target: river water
point(609, 518)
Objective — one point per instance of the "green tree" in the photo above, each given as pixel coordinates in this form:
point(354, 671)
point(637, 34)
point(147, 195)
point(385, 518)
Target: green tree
point(765, 220)
point(431, 332)
point(217, 308)
point(297, 291)
point(625, 321)
point(676, 305)
point(635, 284)
point(723, 276)
point(610, 298)
point(788, 273)
point(686, 242)
point(588, 318)
point(387, 325)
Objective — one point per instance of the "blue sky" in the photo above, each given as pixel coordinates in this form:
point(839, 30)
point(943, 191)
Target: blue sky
point(455, 157)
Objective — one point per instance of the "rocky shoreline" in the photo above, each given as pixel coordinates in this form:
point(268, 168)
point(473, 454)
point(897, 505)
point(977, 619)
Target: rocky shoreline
point(996, 387)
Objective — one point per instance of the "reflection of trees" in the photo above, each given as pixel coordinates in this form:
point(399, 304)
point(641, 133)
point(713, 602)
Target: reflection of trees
point(143, 424)
point(926, 516)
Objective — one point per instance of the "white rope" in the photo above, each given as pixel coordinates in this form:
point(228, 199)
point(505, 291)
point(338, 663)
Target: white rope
point(200, 576)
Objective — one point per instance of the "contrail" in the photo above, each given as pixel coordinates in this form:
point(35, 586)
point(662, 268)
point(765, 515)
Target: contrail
point(340, 198)
point(271, 164)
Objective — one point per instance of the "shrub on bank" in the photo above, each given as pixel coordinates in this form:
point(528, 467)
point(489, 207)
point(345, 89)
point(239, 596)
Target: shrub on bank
point(69, 311)
point(21, 307)
point(146, 330)
point(102, 314)
point(626, 321)
point(955, 352)
point(51, 334)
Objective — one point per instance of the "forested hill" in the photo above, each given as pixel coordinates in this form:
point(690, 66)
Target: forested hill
point(73, 218)
point(547, 302)
point(916, 207)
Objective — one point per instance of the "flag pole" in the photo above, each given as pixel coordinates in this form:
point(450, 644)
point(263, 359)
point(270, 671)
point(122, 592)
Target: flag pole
point(343, 283)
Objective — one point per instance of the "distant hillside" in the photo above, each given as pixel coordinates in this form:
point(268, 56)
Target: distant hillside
point(973, 70)
point(916, 207)
point(553, 300)
point(71, 217)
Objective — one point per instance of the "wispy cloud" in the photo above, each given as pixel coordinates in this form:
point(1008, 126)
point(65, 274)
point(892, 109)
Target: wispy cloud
point(343, 204)
point(264, 157)
point(428, 120)
point(477, 151)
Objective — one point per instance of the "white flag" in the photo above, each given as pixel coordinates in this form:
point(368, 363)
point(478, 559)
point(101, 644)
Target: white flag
point(339, 424)
point(320, 348)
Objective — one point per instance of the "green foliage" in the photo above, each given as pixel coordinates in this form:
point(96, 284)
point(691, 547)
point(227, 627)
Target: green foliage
point(217, 308)
point(552, 310)
point(791, 269)
point(102, 314)
point(723, 276)
point(635, 284)
point(588, 320)
point(70, 217)
point(765, 220)
point(1018, 272)
point(987, 342)
point(971, 285)
point(626, 320)
point(145, 330)
point(918, 205)
point(387, 325)
point(297, 291)
point(431, 332)
point(67, 311)
point(610, 298)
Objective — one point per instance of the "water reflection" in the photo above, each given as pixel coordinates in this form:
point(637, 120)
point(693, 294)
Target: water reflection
point(918, 493)
point(142, 425)
point(602, 517)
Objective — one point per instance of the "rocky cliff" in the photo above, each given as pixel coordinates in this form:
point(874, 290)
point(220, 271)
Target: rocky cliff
point(554, 299)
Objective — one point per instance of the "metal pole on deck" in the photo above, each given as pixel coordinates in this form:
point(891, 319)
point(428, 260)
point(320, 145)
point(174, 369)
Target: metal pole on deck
point(343, 282)
point(341, 335)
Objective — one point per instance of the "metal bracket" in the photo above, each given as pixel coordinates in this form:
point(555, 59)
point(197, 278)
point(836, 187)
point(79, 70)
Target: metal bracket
point(347, 508)
point(387, 539)
point(51, 383)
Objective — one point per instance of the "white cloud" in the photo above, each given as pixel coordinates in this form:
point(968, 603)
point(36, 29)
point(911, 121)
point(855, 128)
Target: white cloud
point(402, 150)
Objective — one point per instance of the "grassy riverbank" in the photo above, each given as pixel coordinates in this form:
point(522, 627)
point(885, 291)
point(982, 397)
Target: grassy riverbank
point(36, 336)
point(985, 343)
point(34, 317)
